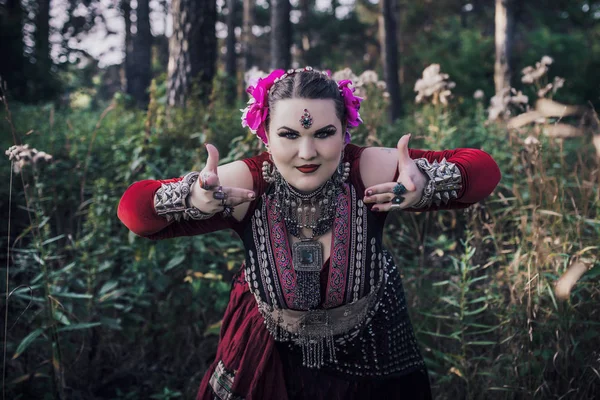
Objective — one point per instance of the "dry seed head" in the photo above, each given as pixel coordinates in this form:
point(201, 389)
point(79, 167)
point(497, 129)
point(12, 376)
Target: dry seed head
point(433, 85)
point(22, 155)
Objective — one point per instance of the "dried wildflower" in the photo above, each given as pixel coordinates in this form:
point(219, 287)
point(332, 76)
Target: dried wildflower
point(531, 74)
point(558, 83)
point(369, 76)
point(347, 73)
point(531, 141)
point(544, 91)
point(478, 95)
point(518, 97)
point(360, 83)
point(500, 104)
point(252, 76)
point(547, 60)
point(434, 85)
point(22, 155)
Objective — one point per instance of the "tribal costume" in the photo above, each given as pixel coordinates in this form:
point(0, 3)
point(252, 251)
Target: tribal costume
point(358, 343)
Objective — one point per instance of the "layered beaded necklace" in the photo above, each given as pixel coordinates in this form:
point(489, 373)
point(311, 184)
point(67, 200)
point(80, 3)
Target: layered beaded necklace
point(315, 211)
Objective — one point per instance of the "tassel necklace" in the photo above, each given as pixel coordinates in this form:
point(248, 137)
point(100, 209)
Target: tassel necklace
point(314, 211)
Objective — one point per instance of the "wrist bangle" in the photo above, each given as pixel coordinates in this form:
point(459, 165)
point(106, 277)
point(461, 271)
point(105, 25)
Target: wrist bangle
point(444, 182)
point(171, 200)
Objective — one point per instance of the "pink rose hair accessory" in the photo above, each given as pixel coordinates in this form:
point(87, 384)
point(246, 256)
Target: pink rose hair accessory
point(257, 111)
point(352, 104)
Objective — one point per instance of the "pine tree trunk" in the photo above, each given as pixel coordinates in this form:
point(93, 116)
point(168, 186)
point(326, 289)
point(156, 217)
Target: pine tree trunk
point(192, 49)
point(504, 41)
point(231, 57)
point(42, 48)
point(389, 54)
point(138, 79)
point(247, 35)
point(11, 48)
point(125, 7)
point(281, 34)
point(304, 31)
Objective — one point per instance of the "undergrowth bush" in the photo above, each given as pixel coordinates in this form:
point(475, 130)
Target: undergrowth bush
point(115, 316)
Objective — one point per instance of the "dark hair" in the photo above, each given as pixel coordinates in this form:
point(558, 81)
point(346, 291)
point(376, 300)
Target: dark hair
point(307, 85)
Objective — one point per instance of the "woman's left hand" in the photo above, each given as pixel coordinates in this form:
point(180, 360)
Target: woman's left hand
point(404, 193)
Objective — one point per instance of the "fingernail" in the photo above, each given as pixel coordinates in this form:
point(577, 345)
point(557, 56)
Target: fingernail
point(374, 209)
point(369, 192)
point(251, 195)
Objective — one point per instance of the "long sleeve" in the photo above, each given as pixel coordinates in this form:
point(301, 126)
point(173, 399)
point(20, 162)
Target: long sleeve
point(480, 173)
point(136, 211)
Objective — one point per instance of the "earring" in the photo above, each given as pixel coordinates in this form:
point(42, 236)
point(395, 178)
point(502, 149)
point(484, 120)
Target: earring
point(269, 172)
point(343, 171)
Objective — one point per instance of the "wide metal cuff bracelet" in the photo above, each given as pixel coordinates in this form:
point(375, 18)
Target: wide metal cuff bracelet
point(444, 182)
point(170, 200)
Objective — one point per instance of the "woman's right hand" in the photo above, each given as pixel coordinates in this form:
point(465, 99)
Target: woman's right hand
point(208, 195)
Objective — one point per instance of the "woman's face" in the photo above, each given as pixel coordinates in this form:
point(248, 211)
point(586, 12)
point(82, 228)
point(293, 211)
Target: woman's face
point(305, 157)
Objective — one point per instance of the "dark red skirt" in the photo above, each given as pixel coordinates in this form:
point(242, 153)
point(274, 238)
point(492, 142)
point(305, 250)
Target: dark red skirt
point(263, 369)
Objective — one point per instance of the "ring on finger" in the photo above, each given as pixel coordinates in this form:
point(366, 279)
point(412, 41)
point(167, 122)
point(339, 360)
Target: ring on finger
point(223, 201)
point(227, 211)
point(395, 207)
point(397, 200)
point(219, 194)
point(399, 189)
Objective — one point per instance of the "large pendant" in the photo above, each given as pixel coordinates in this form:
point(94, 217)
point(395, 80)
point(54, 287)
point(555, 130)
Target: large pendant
point(307, 257)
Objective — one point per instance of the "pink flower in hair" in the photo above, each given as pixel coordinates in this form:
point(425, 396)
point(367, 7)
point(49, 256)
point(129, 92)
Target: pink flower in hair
point(352, 104)
point(257, 111)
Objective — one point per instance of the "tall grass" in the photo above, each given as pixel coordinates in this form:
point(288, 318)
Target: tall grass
point(114, 316)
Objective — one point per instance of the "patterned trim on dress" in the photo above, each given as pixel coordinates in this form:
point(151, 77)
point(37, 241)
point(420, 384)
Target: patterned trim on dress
point(221, 382)
point(357, 268)
point(261, 243)
point(338, 258)
point(281, 251)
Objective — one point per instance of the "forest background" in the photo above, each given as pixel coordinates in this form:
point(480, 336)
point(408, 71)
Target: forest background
point(504, 295)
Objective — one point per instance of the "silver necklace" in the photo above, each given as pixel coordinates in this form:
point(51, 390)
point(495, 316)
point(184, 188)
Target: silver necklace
point(314, 211)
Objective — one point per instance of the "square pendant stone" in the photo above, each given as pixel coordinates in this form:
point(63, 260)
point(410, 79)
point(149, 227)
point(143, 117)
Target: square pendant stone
point(307, 256)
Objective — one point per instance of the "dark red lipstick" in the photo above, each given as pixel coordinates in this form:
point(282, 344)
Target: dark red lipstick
point(308, 168)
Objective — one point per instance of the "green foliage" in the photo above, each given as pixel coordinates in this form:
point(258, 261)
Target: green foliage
point(116, 316)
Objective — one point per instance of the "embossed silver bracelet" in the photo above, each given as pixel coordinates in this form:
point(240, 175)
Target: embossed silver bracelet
point(171, 200)
point(443, 185)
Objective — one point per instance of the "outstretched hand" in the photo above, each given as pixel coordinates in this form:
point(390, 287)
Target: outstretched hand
point(403, 193)
point(212, 197)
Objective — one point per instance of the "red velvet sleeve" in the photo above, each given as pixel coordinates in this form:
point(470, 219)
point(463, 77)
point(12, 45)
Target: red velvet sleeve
point(136, 211)
point(480, 174)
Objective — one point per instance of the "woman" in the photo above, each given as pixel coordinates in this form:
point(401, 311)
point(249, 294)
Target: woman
point(318, 310)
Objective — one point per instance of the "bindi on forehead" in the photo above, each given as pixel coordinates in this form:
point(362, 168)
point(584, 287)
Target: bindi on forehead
point(304, 115)
point(306, 120)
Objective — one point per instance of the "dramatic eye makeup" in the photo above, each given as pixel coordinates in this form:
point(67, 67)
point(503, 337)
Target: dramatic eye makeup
point(321, 133)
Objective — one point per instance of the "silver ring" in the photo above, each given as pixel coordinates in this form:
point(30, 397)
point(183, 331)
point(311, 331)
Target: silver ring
point(397, 200)
point(227, 211)
point(219, 195)
point(399, 189)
